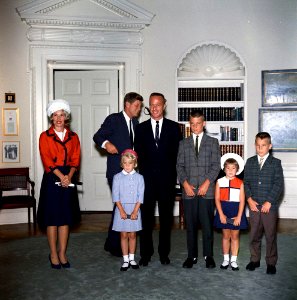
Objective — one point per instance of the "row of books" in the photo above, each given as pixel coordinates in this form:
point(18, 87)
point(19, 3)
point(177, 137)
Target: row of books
point(209, 94)
point(238, 149)
point(213, 113)
point(225, 148)
point(228, 133)
point(185, 130)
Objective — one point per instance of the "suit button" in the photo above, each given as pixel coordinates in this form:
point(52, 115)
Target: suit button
point(260, 182)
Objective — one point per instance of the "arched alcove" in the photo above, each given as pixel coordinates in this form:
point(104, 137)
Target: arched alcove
point(211, 77)
point(211, 60)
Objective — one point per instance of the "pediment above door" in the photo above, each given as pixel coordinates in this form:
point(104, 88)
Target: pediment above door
point(98, 21)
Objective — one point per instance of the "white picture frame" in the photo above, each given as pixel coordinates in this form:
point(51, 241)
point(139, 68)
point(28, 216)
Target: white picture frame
point(10, 121)
point(10, 151)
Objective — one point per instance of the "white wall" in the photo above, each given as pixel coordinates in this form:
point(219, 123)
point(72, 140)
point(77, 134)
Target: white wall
point(263, 32)
point(14, 75)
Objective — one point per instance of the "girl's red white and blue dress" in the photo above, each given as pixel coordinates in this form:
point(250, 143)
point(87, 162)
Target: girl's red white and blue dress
point(230, 198)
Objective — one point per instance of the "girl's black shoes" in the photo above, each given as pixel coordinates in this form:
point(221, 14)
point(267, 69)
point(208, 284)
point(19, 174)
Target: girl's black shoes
point(125, 266)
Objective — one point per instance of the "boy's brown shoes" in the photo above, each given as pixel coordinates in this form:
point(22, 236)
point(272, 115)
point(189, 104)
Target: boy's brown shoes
point(251, 266)
point(271, 269)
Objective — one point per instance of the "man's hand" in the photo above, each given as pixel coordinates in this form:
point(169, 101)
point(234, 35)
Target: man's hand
point(111, 148)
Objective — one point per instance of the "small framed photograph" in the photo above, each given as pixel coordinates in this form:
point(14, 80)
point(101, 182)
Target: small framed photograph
point(281, 124)
point(10, 121)
point(11, 152)
point(279, 87)
point(9, 97)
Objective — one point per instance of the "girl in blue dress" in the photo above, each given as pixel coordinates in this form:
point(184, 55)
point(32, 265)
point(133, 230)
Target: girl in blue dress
point(230, 203)
point(127, 194)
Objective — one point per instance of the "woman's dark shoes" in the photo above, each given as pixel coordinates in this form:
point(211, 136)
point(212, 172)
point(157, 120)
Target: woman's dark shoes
point(133, 264)
point(66, 265)
point(125, 266)
point(54, 266)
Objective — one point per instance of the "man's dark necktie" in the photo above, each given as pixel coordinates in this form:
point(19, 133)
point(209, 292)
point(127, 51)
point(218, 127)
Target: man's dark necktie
point(157, 138)
point(196, 146)
point(131, 134)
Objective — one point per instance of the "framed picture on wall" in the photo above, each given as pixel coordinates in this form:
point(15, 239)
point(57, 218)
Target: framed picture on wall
point(279, 87)
point(10, 121)
point(281, 124)
point(11, 152)
point(9, 97)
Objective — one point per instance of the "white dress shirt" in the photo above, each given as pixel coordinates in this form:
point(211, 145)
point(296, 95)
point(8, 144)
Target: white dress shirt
point(200, 135)
point(154, 123)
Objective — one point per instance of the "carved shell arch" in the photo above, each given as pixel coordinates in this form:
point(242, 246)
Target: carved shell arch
point(211, 60)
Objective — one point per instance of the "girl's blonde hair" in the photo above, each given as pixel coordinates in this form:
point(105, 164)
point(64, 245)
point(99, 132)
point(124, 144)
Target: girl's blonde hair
point(130, 156)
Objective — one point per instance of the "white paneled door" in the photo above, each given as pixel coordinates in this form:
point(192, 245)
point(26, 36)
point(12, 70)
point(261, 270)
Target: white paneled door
point(92, 95)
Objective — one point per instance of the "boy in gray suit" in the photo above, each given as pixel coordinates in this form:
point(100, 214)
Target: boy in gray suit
point(263, 184)
point(198, 165)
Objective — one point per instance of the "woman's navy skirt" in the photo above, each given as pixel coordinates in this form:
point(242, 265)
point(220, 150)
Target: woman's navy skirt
point(57, 206)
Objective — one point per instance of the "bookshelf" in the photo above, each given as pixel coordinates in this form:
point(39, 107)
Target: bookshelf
point(222, 102)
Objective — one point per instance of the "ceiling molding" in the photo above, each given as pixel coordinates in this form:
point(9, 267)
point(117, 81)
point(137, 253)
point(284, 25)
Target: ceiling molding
point(83, 36)
point(116, 15)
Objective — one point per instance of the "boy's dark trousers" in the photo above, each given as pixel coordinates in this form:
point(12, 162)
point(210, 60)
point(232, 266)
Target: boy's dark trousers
point(263, 223)
point(199, 210)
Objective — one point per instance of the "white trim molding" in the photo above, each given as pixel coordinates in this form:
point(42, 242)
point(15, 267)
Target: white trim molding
point(101, 21)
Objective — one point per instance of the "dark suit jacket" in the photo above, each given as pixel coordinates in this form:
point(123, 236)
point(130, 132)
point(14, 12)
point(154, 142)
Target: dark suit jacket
point(197, 170)
point(266, 184)
point(158, 162)
point(115, 130)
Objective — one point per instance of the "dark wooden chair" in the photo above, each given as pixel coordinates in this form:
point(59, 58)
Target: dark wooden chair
point(178, 198)
point(17, 180)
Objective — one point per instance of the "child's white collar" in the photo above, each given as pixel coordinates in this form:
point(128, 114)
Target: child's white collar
point(126, 173)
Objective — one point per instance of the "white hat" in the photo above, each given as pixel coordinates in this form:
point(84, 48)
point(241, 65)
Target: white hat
point(56, 105)
point(235, 156)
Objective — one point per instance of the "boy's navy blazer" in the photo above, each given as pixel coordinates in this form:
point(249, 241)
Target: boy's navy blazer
point(197, 169)
point(266, 184)
point(158, 161)
point(115, 130)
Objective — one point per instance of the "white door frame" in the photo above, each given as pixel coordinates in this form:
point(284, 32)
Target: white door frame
point(53, 66)
point(44, 60)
